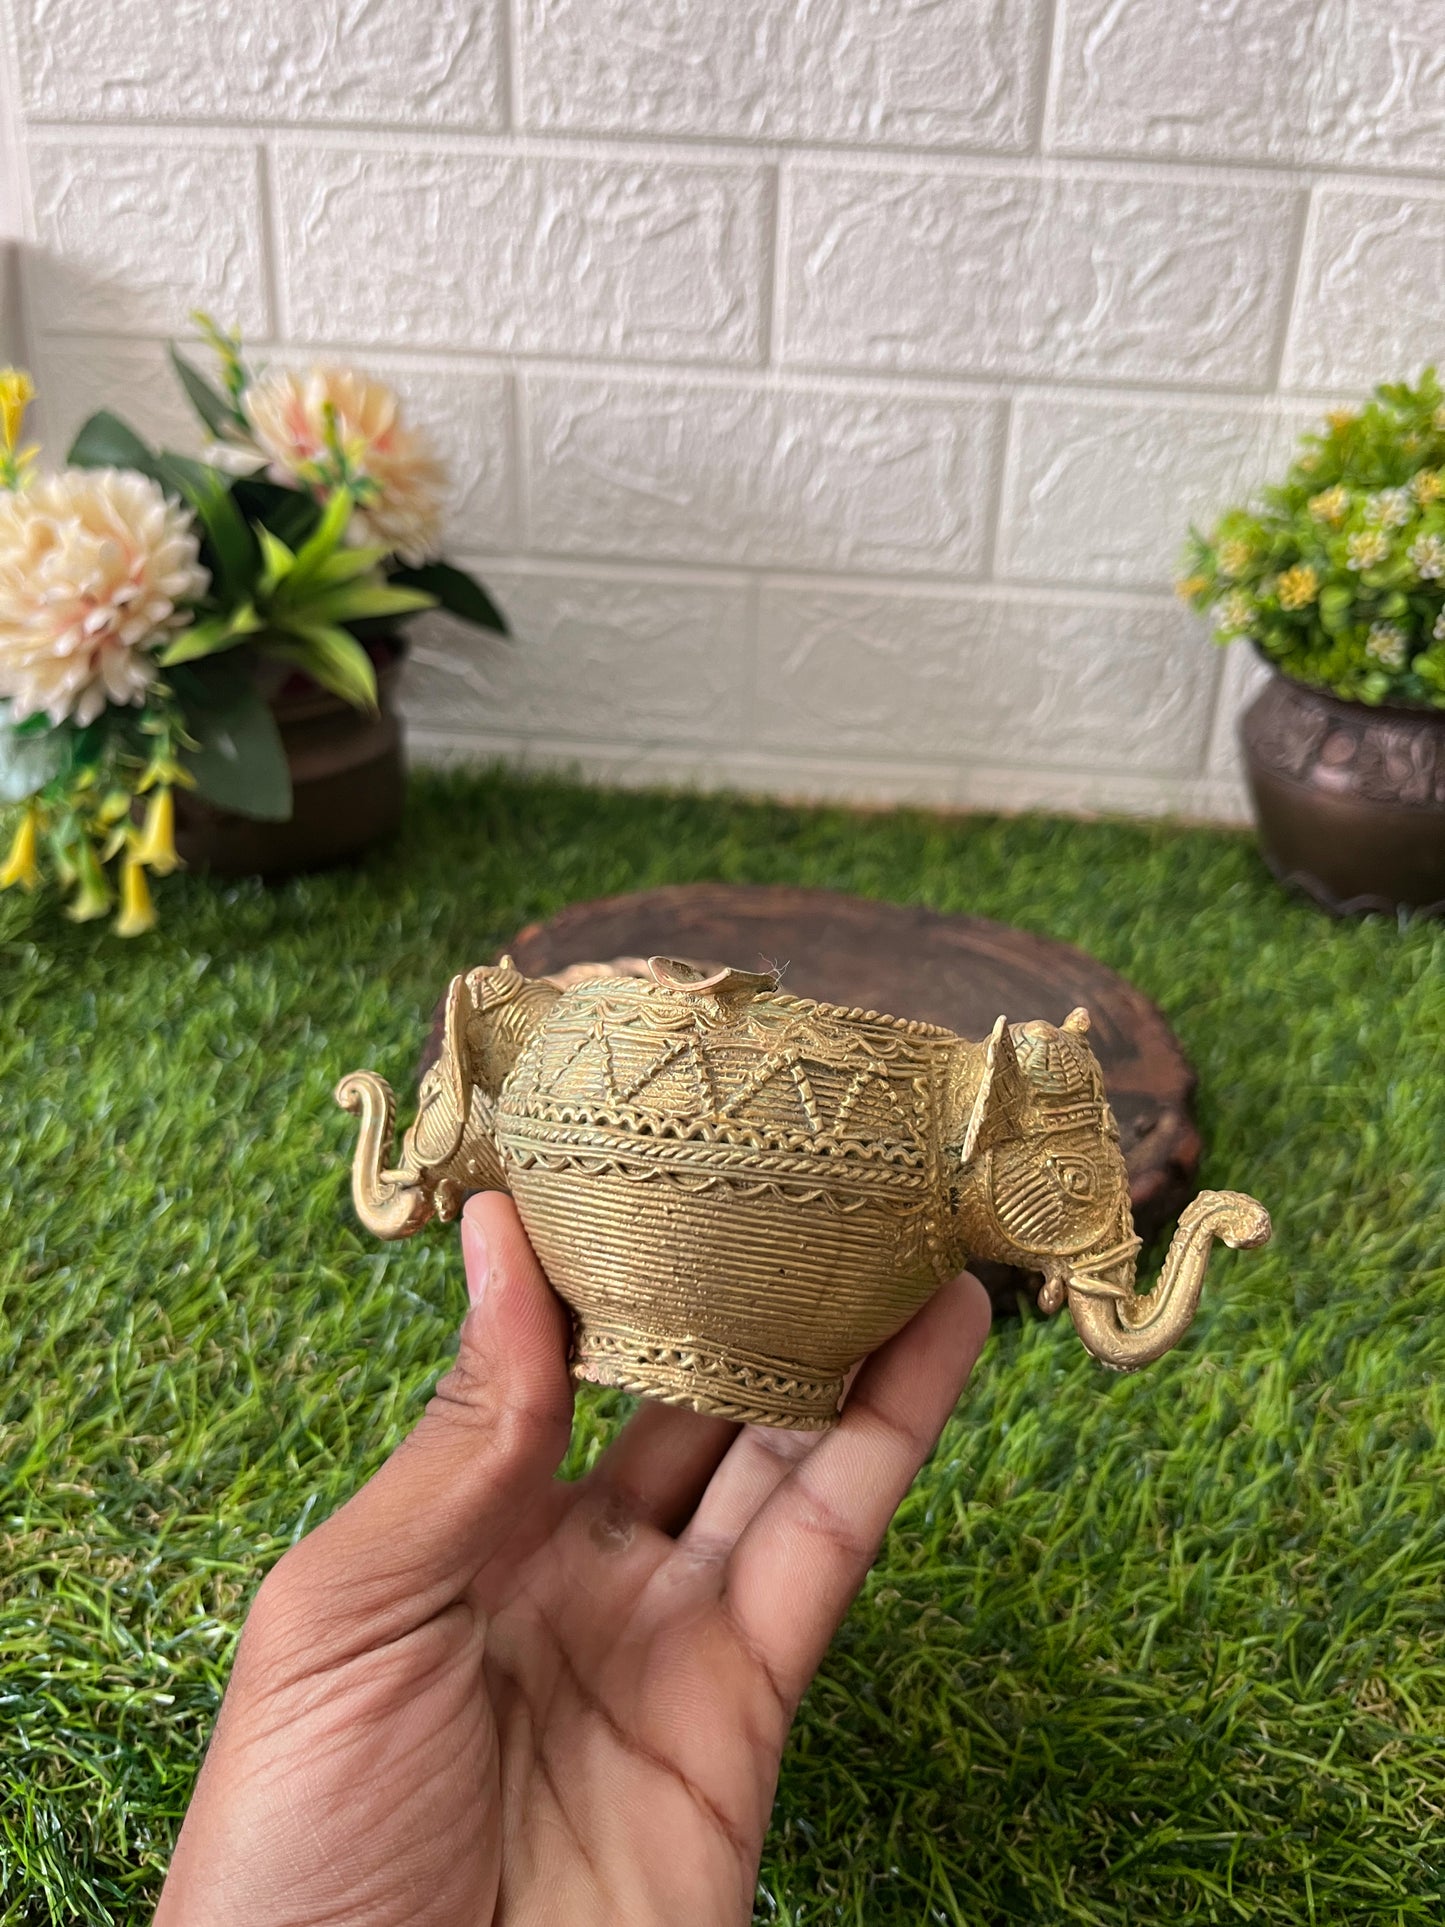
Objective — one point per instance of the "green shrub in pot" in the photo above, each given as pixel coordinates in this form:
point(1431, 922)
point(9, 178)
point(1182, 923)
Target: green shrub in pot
point(1337, 575)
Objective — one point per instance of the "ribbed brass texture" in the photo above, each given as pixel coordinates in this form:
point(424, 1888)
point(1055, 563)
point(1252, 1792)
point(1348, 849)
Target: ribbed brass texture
point(740, 1193)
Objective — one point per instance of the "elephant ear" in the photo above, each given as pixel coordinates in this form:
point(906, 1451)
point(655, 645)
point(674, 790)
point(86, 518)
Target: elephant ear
point(446, 1088)
point(998, 1110)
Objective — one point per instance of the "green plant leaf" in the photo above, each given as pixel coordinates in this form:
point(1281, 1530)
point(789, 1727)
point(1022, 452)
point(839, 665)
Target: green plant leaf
point(212, 406)
point(325, 539)
point(289, 513)
point(190, 478)
point(457, 592)
point(104, 441)
point(344, 566)
point(277, 558)
point(353, 601)
point(213, 682)
point(210, 635)
point(207, 493)
point(1336, 603)
point(238, 762)
point(330, 657)
point(88, 742)
point(29, 758)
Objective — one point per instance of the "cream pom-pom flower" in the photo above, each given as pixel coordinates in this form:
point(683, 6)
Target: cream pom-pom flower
point(299, 421)
point(94, 567)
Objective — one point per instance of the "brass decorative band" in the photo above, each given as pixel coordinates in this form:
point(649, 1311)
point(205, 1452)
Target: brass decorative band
point(705, 1377)
point(846, 1181)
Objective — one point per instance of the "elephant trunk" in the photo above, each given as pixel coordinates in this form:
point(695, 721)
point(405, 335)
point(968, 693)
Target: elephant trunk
point(391, 1204)
point(1126, 1330)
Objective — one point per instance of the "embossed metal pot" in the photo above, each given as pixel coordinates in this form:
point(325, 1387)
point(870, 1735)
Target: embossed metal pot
point(348, 786)
point(1350, 799)
point(740, 1193)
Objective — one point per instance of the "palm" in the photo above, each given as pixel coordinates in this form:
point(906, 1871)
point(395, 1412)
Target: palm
point(638, 1736)
point(478, 1694)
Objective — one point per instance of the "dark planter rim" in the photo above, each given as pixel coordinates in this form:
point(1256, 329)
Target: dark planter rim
point(1348, 705)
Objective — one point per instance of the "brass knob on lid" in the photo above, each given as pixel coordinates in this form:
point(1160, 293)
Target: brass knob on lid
point(715, 983)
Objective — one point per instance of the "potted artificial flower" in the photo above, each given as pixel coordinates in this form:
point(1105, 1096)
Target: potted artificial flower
point(197, 657)
point(1337, 578)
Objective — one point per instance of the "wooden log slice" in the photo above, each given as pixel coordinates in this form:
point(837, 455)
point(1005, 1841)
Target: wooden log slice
point(958, 971)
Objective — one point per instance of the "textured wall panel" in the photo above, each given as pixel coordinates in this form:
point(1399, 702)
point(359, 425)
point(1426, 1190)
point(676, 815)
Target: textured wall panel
point(498, 251)
point(78, 375)
point(133, 236)
point(1070, 682)
point(932, 73)
point(1036, 274)
point(1369, 303)
point(1102, 490)
point(803, 477)
point(415, 62)
point(1342, 82)
point(468, 415)
point(804, 778)
point(1243, 678)
point(592, 657)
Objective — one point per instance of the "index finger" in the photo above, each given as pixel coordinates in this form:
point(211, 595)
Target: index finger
point(798, 1565)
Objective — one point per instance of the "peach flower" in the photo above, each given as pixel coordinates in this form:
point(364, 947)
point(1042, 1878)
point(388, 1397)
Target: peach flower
point(95, 565)
point(398, 481)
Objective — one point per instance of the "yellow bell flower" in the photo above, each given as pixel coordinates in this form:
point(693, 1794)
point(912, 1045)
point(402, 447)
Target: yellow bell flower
point(157, 846)
point(21, 866)
point(113, 806)
point(17, 391)
point(137, 911)
point(163, 768)
point(93, 898)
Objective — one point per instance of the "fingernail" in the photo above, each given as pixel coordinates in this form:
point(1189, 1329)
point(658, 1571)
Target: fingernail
point(477, 1257)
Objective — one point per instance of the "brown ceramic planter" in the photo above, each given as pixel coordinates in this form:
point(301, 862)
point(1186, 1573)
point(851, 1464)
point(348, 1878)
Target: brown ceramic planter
point(1350, 800)
point(348, 780)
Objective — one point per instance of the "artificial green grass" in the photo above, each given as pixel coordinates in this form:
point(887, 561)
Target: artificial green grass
point(1159, 1648)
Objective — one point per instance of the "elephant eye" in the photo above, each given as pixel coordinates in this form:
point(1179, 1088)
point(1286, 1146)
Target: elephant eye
point(1075, 1175)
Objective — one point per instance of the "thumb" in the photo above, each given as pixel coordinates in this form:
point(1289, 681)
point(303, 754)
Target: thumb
point(493, 1433)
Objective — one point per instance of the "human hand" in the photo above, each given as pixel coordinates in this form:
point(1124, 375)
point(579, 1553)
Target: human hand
point(478, 1694)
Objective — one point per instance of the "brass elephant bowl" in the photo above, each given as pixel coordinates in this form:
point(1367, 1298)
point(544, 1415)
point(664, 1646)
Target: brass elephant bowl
point(740, 1193)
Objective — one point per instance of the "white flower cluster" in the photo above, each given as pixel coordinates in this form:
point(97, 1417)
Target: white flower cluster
point(1367, 548)
point(1387, 644)
point(1234, 613)
point(1390, 508)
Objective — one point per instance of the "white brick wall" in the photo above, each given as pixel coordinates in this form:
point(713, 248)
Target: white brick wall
point(828, 387)
point(1035, 270)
